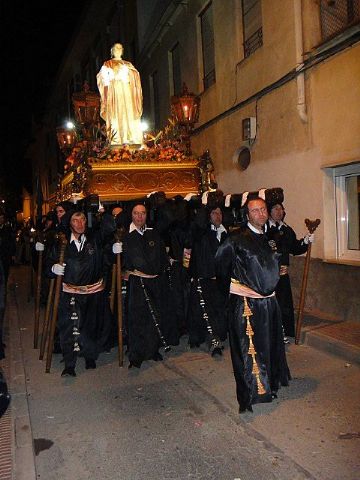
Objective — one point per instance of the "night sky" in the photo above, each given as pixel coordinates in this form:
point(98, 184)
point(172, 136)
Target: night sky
point(34, 38)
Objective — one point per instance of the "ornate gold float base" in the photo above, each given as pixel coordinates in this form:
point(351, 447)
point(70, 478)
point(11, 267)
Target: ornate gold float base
point(130, 180)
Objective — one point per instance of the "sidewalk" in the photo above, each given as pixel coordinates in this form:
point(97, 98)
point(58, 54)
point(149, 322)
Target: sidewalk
point(276, 425)
point(340, 338)
point(15, 425)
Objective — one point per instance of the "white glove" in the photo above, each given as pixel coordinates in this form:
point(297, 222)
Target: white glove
point(189, 196)
point(309, 238)
point(117, 247)
point(58, 269)
point(39, 247)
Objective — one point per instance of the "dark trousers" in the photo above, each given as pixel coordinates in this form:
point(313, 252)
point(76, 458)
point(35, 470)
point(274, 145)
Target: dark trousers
point(93, 323)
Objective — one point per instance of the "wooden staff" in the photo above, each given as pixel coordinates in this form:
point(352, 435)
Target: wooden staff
point(118, 236)
point(311, 226)
point(58, 284)
point(37, 295)
point(113, 286)
point(31, 284)
point(45, 328)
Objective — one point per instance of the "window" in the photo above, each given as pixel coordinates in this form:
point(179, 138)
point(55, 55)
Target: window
point(154, 97)
point(252, 26)
point(347, 197)
point(337, 15)
point(175, 70)
point(207, 44)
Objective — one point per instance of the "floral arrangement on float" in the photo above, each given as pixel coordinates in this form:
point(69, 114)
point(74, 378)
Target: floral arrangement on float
point(165, 146)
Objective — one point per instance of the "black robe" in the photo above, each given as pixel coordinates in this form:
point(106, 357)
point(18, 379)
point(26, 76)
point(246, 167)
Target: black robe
point(248, 258)
point(7, 248)
point(204, 288)
point(92, 311)
point(2, 308)
point(286, 243)
point(150, 323)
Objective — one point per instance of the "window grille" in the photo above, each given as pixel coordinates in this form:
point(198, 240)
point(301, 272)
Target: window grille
point(208, 48)
point(252, 26)
point(338, 15)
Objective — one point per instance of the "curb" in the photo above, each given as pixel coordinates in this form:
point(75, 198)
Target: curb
point(321, 341)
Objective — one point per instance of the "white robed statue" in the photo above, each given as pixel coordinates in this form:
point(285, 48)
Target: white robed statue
point(121, 99)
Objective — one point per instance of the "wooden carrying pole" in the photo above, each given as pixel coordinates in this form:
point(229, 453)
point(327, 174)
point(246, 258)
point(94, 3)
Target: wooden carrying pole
point(311, 226)
point(37, 299)
point(119, 308)
point(118, 237)
point(113, 287)
point(53, 322)
point(45, 328)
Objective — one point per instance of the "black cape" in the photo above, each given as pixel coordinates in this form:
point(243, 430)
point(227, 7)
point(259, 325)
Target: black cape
point(287, 244)
point(248, 258)
point(204, 288)
point(150, 323)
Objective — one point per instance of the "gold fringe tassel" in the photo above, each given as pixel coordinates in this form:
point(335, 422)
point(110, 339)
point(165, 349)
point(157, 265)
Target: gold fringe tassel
point(250, 333)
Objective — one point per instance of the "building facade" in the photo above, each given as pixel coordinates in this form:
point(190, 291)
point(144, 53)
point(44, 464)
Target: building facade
point(279, 86)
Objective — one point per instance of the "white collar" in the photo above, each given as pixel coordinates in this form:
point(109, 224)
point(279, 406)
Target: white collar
point(255, 230)
point(219, 230)
point(81, 238)
point(272, 223)
point(141, 231)
point(79, 243)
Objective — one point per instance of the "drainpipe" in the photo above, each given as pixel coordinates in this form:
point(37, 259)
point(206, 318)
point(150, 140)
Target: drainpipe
point(300, 79)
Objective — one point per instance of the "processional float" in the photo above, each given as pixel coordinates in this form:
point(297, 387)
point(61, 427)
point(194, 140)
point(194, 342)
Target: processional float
point(123, 173)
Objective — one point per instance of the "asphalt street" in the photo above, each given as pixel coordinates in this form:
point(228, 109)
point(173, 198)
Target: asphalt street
point(178, 419)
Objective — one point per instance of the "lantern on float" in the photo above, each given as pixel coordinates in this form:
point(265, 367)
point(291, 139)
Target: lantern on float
point(185, 109)
point(66, 137)
point(86, 107)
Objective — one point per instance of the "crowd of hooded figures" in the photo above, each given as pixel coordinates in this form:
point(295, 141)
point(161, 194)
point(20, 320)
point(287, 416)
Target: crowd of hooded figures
point(206, 268)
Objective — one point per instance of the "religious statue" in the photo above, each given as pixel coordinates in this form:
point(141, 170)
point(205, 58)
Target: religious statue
point(121, 99)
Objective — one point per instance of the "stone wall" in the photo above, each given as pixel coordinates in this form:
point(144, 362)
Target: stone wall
point(332, 289)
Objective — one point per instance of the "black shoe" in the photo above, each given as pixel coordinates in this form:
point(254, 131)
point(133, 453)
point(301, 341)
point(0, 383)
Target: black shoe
point(57, 348)
point(137, 365)
point(90, 364)
point(244, 409)
point(273, 395)
point(68, 372)
point(157, 357)
point(216, 351)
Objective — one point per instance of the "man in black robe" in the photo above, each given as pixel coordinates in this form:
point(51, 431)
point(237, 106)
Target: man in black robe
point(7, 255)
point(2, 308)
point(286, 244)
point(150, 323)
point(206, 319)
point(247, 264)
point(7, 245)
point(84, 317)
